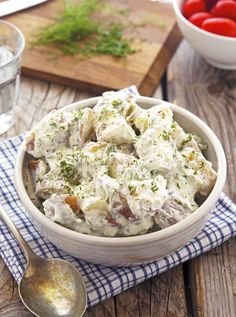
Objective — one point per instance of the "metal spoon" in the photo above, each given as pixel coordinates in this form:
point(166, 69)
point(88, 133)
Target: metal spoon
point(49, 287)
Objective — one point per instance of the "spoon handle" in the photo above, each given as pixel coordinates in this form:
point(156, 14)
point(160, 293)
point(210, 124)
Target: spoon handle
point(24, 246)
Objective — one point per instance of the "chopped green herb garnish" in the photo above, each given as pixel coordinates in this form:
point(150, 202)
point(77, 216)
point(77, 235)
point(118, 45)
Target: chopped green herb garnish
point(111, 148)
point(178, 202)
point(67, 169)
point(116, 102)
point(69, 189)
point(202, 163)
point(53, 124)
point(174, 125)
point(188, 139)
point(132, 189)
point(154, 173)
point(82, 154)
point(154, 188)
point(165, 135)
point(77, 114)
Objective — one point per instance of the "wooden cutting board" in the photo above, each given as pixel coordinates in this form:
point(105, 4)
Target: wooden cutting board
point(155, 39)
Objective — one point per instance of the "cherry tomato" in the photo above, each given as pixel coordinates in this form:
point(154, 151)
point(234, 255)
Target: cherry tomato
point(225, 9)
point(198, 18)
point(221, 26)
point(193, 6)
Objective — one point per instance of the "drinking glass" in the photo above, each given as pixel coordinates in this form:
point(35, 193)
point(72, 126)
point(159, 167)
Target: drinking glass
point(12, 44)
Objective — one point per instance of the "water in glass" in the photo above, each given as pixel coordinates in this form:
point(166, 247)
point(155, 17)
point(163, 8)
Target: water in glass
point(9, 85)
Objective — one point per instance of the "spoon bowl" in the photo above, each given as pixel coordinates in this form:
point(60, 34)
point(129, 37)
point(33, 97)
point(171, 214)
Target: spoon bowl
point(53, 287)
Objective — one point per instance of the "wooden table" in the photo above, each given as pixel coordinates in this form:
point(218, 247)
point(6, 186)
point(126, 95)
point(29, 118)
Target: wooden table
point(205, 286)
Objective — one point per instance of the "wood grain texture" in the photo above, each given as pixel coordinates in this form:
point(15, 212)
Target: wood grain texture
point(155, 42)
point(211, 94)
point(213, 277)
point(162, 296)
point(106, 309)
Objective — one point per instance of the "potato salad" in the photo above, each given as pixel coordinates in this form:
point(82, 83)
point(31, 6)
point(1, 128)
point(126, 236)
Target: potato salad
point(117, 169)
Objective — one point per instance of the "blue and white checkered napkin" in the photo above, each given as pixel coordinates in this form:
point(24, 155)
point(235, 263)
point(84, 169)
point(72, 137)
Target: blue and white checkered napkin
point(101, 282)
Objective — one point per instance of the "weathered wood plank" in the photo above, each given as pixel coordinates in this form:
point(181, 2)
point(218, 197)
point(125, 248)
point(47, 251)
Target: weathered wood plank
point(106, 309)
point(211, 94)
point(162, 296)
point(171, 301)
point(209, 286)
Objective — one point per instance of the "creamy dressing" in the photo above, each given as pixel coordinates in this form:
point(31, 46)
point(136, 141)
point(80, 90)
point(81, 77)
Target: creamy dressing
point(117, 169)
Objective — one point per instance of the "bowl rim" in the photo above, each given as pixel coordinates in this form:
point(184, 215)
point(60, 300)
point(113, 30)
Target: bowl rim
point(176, 4)
point(203, 210)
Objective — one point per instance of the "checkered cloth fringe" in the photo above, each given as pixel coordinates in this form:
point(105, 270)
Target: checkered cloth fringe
point(101, 282)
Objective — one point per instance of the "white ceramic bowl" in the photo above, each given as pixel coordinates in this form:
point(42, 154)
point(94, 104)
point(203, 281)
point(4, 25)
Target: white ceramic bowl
point(119, 251)
point(219, 51)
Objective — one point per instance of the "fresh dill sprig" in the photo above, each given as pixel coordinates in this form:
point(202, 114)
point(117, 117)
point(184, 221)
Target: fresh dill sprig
point(111, 42)
point(76, 30)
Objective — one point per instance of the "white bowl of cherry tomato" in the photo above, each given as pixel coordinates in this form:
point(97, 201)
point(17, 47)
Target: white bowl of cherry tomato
point(210, 28)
